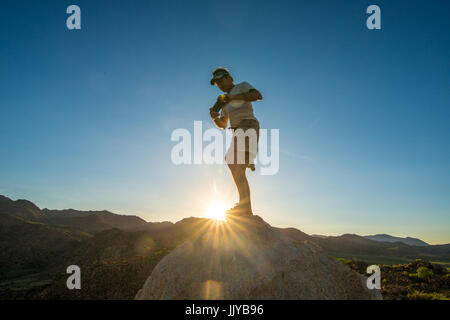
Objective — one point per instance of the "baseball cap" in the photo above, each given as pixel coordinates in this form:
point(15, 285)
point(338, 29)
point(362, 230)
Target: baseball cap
point(219, 73)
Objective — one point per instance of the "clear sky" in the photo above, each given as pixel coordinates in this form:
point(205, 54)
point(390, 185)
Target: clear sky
point(86, 115)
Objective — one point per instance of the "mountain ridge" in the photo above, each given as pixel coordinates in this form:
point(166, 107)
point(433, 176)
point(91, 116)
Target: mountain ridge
point(110, 219)
point(388, 238)
point(44, 242)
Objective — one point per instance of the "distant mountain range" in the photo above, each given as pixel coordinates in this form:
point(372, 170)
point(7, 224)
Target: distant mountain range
point(37, 245)
point(387, 238)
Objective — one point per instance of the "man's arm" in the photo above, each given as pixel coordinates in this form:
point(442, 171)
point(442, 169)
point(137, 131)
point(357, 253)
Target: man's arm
point(220, 122)
point(251, 95)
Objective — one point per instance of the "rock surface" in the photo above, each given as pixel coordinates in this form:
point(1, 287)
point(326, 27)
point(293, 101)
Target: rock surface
point(246, 258)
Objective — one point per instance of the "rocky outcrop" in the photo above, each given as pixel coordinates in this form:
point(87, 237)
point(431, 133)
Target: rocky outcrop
point(246, 258)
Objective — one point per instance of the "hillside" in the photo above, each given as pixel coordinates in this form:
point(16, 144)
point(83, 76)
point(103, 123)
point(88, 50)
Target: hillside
point(20, 208)
point(417, 280)
point(29, 247)
point(388, 238)
point(118, 252)
point(92, 220)
point(360, 248)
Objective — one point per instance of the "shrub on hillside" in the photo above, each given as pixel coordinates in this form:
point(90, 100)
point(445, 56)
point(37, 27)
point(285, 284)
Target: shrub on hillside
point(424, 273)
point(418, 295)
point(344, 261)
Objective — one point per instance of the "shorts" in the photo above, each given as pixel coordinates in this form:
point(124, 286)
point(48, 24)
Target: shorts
point(244, 144)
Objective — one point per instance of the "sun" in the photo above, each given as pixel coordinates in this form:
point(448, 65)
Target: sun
point(216, 211)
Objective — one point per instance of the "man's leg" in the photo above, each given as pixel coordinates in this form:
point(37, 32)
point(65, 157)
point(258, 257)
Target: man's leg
point(241, 182)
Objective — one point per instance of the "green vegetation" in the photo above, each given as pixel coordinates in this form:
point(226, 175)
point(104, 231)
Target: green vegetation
point(424, 273)
point(370, 258)
point(344, 261)
point(413, 276)
point(418, 280)
point(418, 295)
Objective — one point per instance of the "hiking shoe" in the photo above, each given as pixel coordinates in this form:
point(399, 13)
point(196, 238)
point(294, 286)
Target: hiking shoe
point(239, 210)
point(231, 210)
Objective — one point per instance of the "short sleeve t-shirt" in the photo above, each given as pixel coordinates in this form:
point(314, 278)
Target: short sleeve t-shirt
point(238, 110)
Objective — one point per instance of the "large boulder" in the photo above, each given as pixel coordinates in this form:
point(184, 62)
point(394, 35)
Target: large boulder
point(246, 258)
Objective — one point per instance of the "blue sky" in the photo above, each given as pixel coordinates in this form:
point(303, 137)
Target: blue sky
point(363, 114)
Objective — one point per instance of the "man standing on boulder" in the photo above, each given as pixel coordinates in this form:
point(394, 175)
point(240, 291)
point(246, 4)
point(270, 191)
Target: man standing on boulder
point(239, 110)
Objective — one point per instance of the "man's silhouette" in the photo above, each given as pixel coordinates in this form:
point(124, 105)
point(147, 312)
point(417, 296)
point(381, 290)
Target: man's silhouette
point(239, 110)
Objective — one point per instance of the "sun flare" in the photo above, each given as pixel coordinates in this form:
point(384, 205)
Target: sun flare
point(216, 211)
